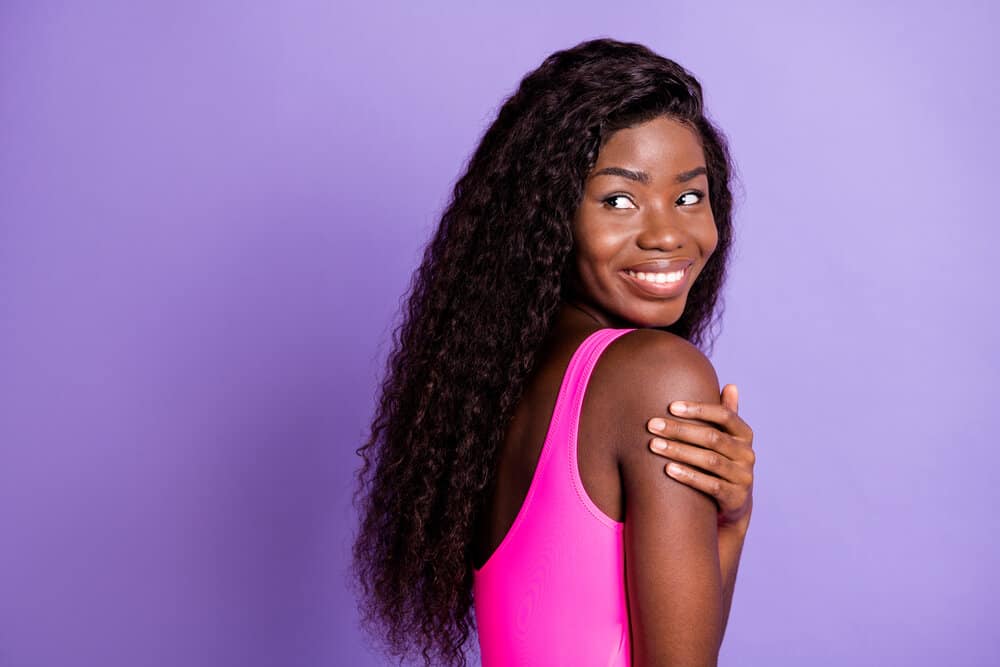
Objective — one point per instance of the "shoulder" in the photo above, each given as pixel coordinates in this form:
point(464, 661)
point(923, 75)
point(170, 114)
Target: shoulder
point(650, 346)
point(643, 372)
point(636, 378)
point(648, 368)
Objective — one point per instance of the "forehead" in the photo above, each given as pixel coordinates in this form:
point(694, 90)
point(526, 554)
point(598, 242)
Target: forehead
point(661, 146)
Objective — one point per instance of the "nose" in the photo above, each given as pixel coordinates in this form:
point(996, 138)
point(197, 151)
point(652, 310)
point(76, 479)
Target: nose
point(662, 228)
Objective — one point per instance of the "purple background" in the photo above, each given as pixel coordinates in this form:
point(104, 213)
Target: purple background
point(209, 213)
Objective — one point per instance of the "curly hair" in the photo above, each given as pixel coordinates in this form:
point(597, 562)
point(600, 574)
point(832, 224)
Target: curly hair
point(479, 306)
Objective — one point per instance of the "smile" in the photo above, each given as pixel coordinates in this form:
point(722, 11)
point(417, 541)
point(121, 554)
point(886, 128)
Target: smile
point(662, 284)
point(658, 278)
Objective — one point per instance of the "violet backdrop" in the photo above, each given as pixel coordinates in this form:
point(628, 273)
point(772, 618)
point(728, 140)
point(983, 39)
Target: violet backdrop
point(210, 210)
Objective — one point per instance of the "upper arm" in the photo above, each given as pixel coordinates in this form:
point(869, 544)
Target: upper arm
point(673, 577)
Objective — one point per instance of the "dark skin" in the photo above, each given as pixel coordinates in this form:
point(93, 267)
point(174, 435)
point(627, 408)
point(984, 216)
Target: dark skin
point(711, 438)
point(684, 532)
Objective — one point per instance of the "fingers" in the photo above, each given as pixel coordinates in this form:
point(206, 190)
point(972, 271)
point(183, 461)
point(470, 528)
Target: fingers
point(725, 417)
point(705, 459)
point(697, 434)
point(720, 489)
point(731, 398)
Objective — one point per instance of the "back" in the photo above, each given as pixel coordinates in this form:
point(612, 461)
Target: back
point(553, 592)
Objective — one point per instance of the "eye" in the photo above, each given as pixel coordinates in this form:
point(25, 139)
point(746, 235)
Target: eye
point(699, 193)
point(613, 198)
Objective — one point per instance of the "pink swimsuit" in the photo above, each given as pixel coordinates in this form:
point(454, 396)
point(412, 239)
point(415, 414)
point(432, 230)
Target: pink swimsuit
point(553, 592)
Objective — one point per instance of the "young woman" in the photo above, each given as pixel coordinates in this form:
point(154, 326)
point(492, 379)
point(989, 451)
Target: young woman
point(559, 308)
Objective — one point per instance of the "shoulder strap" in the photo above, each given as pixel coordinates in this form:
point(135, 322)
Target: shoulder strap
point(578, 374)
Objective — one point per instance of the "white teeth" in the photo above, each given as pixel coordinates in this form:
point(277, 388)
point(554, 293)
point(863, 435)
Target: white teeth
point(657, 277)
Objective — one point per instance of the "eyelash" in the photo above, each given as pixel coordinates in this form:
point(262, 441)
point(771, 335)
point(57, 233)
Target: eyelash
point(701, 196)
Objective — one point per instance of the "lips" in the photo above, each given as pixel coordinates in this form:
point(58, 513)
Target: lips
point(662, 265)
point(661, 290)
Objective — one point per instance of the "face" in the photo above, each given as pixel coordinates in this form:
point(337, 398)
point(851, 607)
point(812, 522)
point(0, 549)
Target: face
point(644, 229)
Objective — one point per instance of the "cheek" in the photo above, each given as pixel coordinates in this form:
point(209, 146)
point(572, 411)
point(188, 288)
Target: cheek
point(594, 246)
point(708, 238)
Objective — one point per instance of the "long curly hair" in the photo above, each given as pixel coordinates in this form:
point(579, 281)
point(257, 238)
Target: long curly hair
point(479, 306)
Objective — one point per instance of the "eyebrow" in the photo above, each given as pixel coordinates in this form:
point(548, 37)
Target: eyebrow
point(642, 177)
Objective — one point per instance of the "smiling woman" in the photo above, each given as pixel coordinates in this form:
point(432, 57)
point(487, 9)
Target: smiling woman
point(509, 481)
point(657, 238)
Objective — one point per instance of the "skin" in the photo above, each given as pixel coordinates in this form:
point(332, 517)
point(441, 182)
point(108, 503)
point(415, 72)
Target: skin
point(622, 222)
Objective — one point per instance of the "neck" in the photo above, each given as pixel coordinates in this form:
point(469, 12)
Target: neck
point(576, 312)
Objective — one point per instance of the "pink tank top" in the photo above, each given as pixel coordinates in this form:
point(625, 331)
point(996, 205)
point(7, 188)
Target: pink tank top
point(553, 592)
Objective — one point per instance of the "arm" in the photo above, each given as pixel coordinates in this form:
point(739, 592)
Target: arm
point(674, 576)
point(731, 540)
point(720, 460)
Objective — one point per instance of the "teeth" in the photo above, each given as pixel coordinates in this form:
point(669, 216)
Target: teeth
point(657, 277)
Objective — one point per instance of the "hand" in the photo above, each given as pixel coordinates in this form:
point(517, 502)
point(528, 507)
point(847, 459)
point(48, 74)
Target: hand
point(726, 452)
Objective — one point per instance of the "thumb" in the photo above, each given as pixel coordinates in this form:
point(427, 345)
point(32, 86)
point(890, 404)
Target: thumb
point(730, 397)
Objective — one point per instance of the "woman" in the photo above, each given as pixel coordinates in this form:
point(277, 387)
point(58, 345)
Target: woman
point(558, 308)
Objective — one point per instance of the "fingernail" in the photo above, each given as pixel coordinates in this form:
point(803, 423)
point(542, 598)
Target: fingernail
point(656, 424)
point(674, 469)
point(658, 444)
point(678, 408)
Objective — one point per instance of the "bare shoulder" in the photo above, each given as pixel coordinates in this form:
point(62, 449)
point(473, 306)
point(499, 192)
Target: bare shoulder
point(671, 541)
point(639, 375)
point(660, 356)
point(649, 368)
